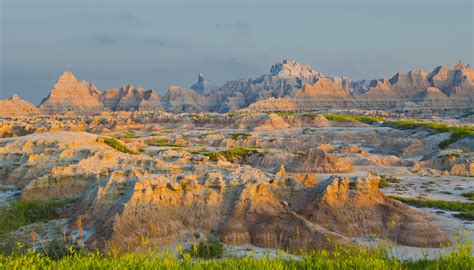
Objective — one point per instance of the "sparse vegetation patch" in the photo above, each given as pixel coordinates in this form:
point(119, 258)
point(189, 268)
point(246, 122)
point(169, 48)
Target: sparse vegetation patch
point(117, 145)
point(236, 135)
point(465, 209)
point(21, 213)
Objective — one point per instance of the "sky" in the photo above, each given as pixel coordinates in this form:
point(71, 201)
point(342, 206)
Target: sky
point(155, 44)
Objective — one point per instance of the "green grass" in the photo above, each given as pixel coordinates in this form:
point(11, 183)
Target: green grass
point(386, 180)
point(21, 213)
point(469, 195)
point(465, 209)
point(234, 154)
point(456, 132)
point(341, 258)
point(117, 145)
point(162, 142)
point(354, 118)
point(213, 156)
point(236, 135)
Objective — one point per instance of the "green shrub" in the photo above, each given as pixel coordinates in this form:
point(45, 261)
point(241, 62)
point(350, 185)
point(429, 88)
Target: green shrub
point(117, 145)
point(236, 135)
point(162, 142)
point(386, 180)
point(234, 154)
point(206, 250)
point(469, 195)
point(21, 213)
point(465, 209)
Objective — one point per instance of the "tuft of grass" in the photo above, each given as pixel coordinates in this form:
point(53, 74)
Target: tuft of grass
point(117, 145)
point(21, 213)
point(465, 209)
point(236, 135)
point(469, 195)
point(453, 155)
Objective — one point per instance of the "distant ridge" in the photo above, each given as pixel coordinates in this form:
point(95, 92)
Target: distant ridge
point(288, 85)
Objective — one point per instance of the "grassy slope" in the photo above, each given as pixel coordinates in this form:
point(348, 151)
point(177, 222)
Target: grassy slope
point(465, 209)
point(347, 258)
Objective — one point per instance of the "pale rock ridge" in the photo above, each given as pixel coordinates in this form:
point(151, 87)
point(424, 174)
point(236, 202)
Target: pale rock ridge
point(129, 98)
point(288, 86)
point(15, 106)
point(180, 99)
point(416, 89)
point(292, 69)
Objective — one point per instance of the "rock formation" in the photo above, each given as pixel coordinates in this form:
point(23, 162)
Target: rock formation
point(177, 196)
point(15, 106)
point(289, 86)
point(203, 85)
point(180, 99)
point(69, 94)
point(129, 98)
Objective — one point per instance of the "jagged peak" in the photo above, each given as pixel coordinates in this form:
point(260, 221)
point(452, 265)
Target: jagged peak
point(203, 85)
point(201, 77)
point(291, 68)
point(67, 75)
point(459, 65)
point(14, 97)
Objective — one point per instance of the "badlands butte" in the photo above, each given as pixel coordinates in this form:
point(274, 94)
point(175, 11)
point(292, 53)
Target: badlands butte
point(292, 159)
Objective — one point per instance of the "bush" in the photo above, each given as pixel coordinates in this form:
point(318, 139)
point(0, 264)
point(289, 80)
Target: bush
point(236, 135)
point(206, 250)
point(234, 154)
point(162, 142)
point(469, 195)
point(117, 145)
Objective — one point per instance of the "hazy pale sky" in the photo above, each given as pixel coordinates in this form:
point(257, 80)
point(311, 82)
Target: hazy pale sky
point(155, 44)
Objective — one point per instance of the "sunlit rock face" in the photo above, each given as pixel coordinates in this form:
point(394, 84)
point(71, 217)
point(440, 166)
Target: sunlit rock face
point(288, 85)
point(15, 106)
point(70, 94)
point(174, 196)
